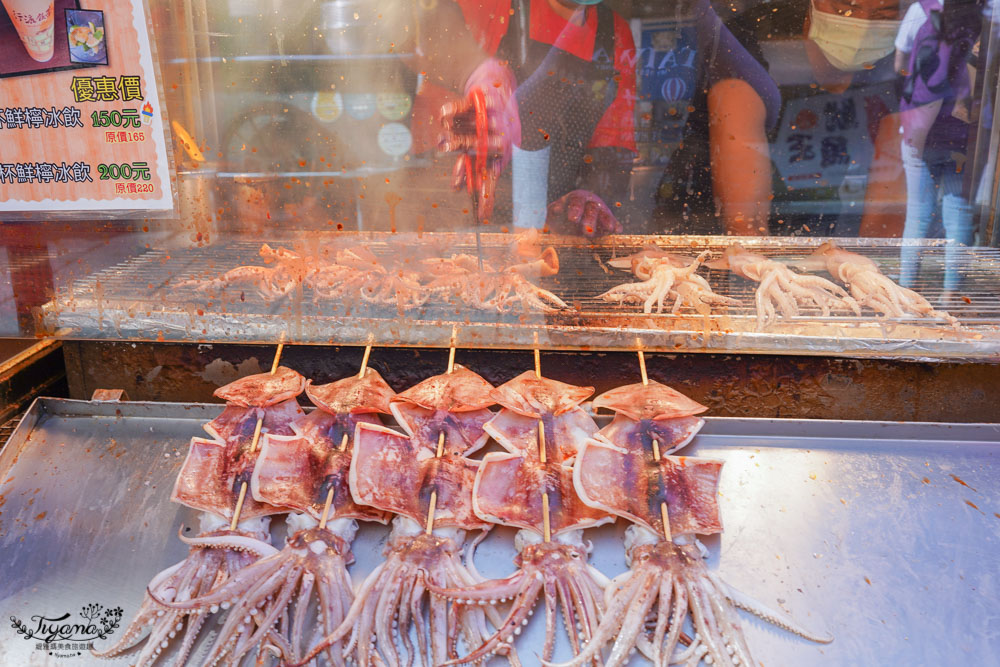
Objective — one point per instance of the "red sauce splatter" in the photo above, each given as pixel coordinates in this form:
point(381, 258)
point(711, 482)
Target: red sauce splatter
point(41, 516)
point(868, 581)
point(961, 481)
point(926, 481)
point(973, 505)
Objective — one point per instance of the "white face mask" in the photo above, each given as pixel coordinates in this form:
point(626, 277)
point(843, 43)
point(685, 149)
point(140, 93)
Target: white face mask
point(851, 44)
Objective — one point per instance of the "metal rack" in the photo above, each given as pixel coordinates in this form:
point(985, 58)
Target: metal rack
point(140, 299)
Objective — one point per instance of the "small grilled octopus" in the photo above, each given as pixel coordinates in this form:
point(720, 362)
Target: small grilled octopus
point(286, 271)
point(874, 289)
point(664, 277)
point(781, 290)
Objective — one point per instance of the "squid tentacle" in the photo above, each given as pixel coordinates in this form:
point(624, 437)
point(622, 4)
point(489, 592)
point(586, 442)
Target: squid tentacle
point(520, 611)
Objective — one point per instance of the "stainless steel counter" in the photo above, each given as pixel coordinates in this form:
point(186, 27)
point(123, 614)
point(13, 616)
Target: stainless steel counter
point(884, 534)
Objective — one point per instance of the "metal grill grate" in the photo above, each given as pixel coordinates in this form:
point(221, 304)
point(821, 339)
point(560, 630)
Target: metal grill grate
point(145, 289)
point(7, 429)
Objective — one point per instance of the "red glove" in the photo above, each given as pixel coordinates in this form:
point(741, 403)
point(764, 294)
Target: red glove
point(498, 84)
point(582, 212)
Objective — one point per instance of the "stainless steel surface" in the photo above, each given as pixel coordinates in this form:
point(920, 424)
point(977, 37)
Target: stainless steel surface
point(138, 299)
point(884, 534)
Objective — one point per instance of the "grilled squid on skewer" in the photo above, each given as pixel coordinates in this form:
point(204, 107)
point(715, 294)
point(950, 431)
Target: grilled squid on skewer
point(217, 556)
point(874, 289)
point(626, 469)
point(442, 418)
point(523, 489)
point(303, 591)
point(780, 291)
point(214, 469)
point(211, 472)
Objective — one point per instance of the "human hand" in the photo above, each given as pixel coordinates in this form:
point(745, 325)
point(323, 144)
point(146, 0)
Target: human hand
point(582, 212)
point(503, 130)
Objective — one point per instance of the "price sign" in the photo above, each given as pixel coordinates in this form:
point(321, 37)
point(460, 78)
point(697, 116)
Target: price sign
point(81, 124)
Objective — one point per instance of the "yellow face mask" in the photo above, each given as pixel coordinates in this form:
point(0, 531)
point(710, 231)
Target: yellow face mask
point(851, 44)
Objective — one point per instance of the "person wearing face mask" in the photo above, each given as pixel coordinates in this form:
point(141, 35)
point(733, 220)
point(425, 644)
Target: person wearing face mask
point(836, 169)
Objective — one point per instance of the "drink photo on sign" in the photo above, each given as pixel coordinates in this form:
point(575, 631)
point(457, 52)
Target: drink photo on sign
point(33, 41)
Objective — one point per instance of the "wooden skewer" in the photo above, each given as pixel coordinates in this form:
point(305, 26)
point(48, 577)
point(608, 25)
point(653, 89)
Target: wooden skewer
point(541, 441)
point(664, 514)
point(253, 444)
point(277, 358)
point(364, 361)
point(329, 494)
point(546, 526)
point(432, 506)
point(546, 521)
point(343, 441)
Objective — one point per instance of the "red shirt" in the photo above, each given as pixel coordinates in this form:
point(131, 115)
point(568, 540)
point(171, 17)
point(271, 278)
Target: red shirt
point(489, 20)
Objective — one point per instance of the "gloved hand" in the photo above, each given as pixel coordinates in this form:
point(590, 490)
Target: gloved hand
point(504, 129)
point(581, 212)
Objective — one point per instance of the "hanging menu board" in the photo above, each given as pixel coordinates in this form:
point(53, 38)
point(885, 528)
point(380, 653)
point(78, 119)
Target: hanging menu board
point(81, 120)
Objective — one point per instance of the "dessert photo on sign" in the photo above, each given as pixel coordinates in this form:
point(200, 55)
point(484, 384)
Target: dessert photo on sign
point(87, 38)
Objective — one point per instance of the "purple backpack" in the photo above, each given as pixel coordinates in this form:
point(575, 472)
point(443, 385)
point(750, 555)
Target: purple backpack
point(937, 67)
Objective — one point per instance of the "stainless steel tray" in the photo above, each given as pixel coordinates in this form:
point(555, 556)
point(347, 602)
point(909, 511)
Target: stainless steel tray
point(884, 534)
